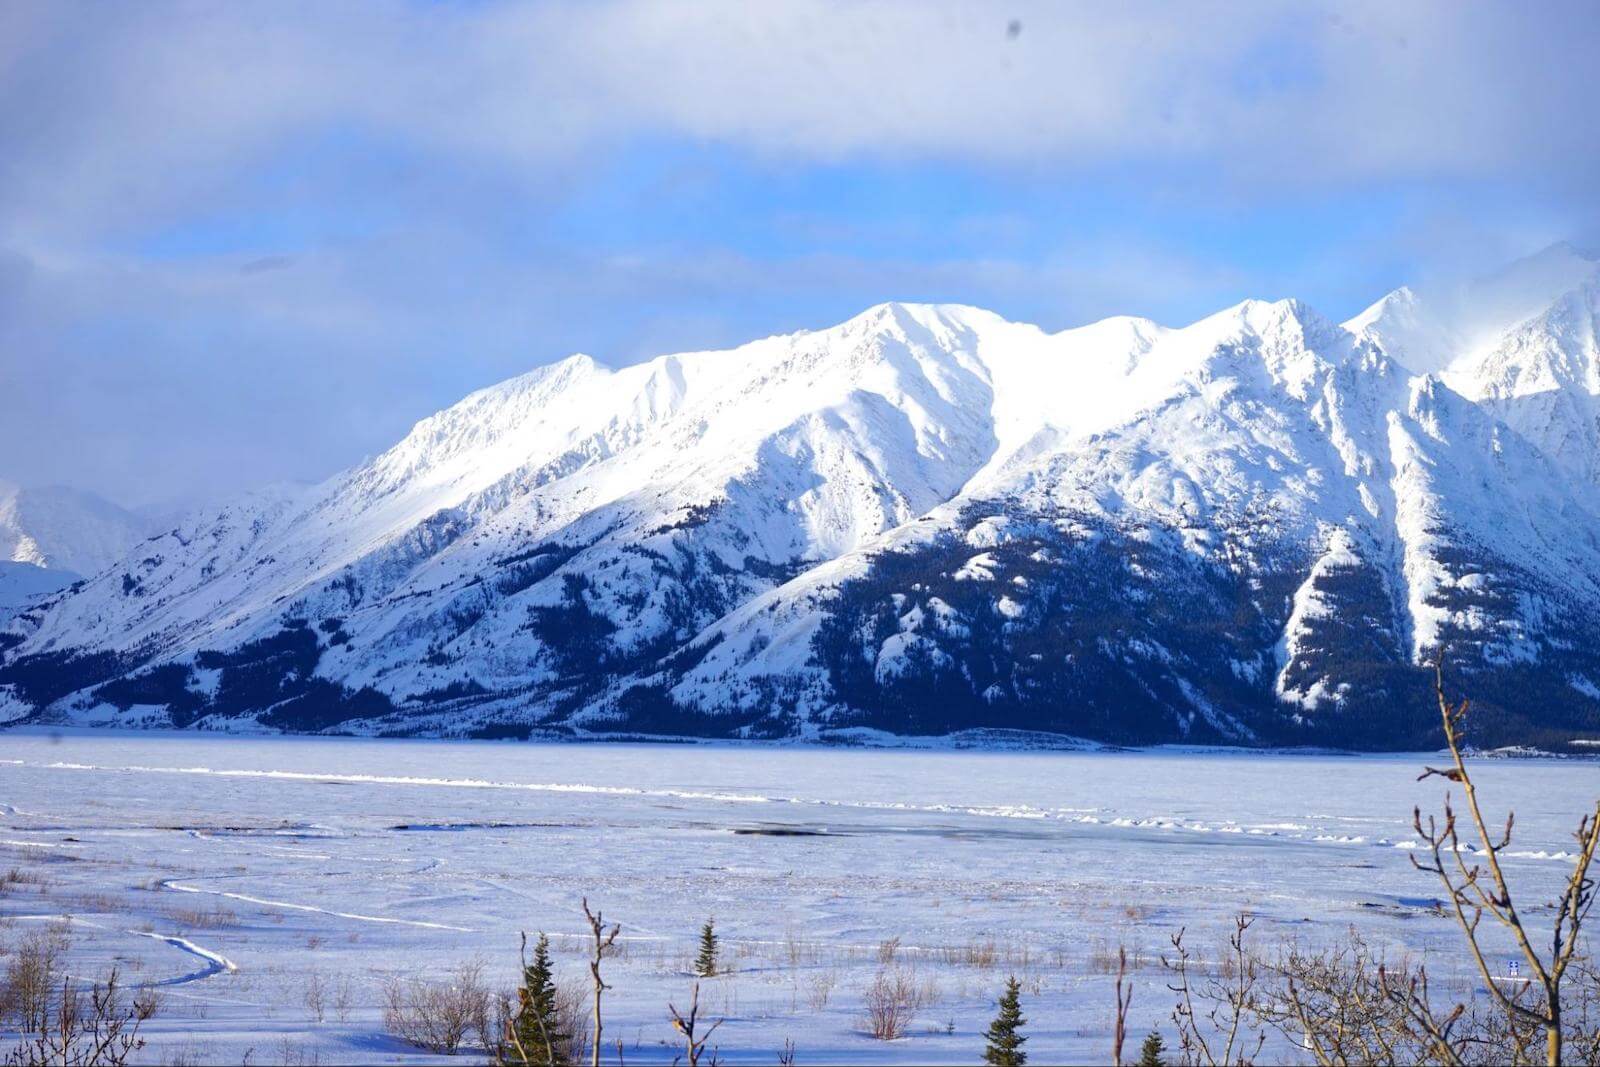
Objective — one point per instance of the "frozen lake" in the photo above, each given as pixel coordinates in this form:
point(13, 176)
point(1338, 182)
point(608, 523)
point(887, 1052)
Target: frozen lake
point(282, 864)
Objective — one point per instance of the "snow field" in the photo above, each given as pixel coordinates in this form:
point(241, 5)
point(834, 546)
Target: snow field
point(270, 887)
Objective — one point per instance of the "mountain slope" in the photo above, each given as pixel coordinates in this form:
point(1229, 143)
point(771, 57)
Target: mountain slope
point(1256, 529)
point(22, 582)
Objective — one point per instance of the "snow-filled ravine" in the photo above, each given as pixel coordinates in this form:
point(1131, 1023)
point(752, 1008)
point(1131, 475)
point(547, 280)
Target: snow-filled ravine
point(238, 874)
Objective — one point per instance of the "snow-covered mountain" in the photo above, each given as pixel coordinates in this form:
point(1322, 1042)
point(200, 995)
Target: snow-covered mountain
point(50, 537)
point(1259, 528)
point(65, 529)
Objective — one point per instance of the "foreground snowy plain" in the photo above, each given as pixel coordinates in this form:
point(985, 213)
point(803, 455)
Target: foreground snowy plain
point(243, 874)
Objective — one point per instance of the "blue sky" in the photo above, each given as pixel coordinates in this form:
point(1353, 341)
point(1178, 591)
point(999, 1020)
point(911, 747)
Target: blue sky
point(241, 242)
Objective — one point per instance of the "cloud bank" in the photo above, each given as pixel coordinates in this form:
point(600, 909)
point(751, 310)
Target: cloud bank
point(246, 241)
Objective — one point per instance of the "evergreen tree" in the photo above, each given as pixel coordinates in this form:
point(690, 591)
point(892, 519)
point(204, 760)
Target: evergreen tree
point(537, 1024)
point(1151, 1051)
point(1005, 1043)
point(705, 965)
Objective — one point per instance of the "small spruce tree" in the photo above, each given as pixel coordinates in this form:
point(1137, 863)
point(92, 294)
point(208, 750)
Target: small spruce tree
point(537, 1023)
point(705, 965)
point(1005, 1043)
point(1152, 1050)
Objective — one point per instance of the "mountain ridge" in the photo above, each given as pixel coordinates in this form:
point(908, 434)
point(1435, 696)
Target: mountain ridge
point(1254, 529)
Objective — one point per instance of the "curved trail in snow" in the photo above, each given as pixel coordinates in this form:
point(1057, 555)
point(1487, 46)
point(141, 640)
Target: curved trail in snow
point(216, 963)
point(178, 887)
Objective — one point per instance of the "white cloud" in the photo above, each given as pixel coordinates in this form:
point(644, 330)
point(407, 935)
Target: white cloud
point(115, 110)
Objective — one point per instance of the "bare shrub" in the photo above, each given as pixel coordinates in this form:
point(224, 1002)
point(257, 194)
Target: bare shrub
point(571, 1000)
point(204, 918)
point(316, 997)
point(1481, 889)
point(31, 977)
point(1104, 958)
point(892, 1000)
point(186, 1056)
point(795, 950)
point(819, 989)
point(982, 955)
point(21, 876)
point(927, 993)
point(343, 998)
point(1225, 1027)
point(1347, 1004)
point(1582, 1015)
point(101, 1028)
point(294, 1055)
point(438, 1016)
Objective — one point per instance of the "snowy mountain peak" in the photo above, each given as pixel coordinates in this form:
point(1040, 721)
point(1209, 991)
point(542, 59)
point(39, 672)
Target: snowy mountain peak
point(1446, 328)
point(1286, 321)
point(940, 319)
point(64, 529)
point(1397, 307)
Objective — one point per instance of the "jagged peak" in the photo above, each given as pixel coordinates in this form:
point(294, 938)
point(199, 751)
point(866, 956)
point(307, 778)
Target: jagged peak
point(1270, 320)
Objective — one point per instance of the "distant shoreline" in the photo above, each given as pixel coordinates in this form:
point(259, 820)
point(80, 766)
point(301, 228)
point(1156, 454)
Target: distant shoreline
point(967, 742)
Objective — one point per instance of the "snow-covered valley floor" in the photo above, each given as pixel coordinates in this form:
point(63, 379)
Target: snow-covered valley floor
point(251, 878)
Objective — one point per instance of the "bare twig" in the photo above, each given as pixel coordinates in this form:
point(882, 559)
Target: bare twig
point(1482, 889)
point(1124, 999)
point(603, 940)
point(688, 1025)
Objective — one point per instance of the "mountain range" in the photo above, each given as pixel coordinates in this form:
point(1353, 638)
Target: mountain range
point(1263, 528)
